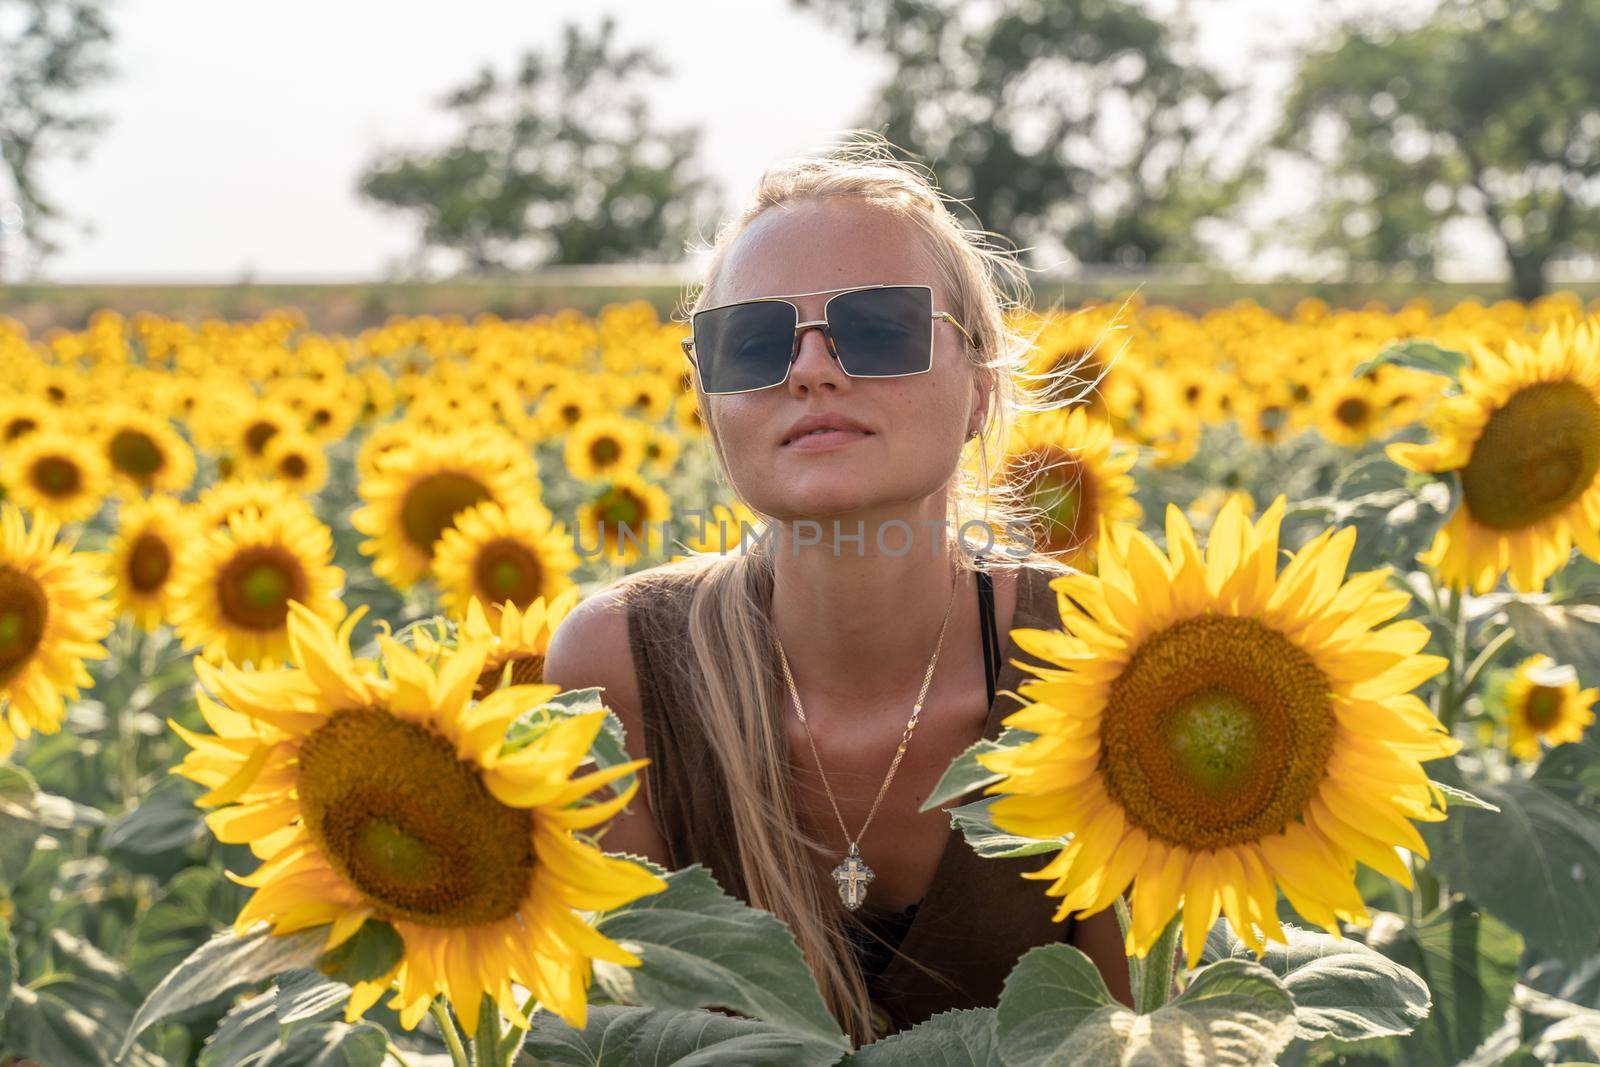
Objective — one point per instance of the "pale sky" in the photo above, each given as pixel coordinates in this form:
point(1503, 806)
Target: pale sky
point(238, 129)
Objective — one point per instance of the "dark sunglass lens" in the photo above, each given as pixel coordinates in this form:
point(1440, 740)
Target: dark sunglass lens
point(883, 332)
point(746, 346)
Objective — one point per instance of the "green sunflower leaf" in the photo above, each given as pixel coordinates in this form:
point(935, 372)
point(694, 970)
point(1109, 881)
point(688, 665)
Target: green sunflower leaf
point(1417, 354)
point(966, 1038)
point(1469, 961)
point(19, 822)
point(1341, 988)
point(223, 964)
point(1568, 633)
point(1056, 1009)
point(702, 948)
point(965, 773)
point(991, 842)
point(1460, 798)
point(371, 951)
point(618, 1036)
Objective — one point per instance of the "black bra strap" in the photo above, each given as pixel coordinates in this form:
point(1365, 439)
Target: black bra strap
point(991, 637)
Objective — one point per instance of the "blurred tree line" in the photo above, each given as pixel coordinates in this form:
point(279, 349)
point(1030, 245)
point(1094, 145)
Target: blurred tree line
point(1085, 129)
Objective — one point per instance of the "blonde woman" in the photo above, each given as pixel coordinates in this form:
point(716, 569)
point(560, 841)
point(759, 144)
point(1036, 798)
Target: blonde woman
point(856, 371)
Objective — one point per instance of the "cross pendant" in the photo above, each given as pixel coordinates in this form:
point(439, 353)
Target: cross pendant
point(852, 876)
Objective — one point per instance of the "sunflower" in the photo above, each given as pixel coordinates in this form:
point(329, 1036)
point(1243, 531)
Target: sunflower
point(688, 417)
point(145, 452)
point(53, 615)
point(387, 795)
point(602, 446)
point(518, 640)
point(56, 473)
point(661, 451)
point(151, 534)
point(618, 520)
point(1350, 413)
point(1213, 727)
point(1542, 706)
point(646, 396)
point(420, 487)
point(235, 495)
point(1524, 439)
point(502, 554)
point(246, 434)
point(1063, 461)
point(296, 459)
point(232, 591)
point(21, 416)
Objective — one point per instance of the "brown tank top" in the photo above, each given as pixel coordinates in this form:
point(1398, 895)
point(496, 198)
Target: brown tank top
point(978, 916)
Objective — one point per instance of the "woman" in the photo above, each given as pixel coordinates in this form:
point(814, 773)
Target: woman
point(771, 686)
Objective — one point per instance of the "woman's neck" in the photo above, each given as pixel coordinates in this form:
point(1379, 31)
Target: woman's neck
point(859, 630)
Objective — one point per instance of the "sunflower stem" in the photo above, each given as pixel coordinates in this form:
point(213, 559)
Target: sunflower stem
point(486, 1040)
point(1486, 657)
point(447, 1030)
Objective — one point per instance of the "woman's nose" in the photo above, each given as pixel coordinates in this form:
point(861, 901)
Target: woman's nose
point(814, 364)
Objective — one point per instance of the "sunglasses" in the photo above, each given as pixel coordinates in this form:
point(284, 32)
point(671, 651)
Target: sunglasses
point(874, 331)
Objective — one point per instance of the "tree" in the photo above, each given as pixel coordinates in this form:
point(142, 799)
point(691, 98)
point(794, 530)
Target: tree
point(50, 52)
point(561, 163)
point(1069, 121)
point(1488, 111)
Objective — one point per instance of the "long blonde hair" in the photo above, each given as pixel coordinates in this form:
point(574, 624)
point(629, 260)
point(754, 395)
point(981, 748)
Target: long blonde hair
point(741, 695)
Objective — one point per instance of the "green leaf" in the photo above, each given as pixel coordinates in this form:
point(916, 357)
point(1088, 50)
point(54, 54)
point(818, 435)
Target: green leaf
point(1055, 1009)
point(332, 1044)
point(307, 995)
point(195, 904)
point(1468, 960)
point(702, 948)
point(991, 842)
point(1568, 633)
point(51, 1029)
point(1418, 355)
point(965, 773)
point(248, 1032)
point(19, 822)
point(166, 820)
point(1341, 988)
point(1535, 863)
point(626, 1036)
point(252, 1035)
point(223, 964)
point(966, 1038)
point(369, 953)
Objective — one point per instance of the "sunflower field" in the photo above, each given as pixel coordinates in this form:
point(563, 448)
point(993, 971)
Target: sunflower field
point(283, 783)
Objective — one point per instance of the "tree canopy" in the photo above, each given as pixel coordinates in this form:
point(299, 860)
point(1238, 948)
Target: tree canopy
point(1489, 110)
point(558, 163)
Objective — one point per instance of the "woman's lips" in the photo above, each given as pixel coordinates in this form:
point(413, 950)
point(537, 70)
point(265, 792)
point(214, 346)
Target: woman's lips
point(825, 441)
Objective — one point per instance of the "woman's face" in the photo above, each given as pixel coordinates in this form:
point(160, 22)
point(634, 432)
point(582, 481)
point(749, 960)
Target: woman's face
point(916, 425)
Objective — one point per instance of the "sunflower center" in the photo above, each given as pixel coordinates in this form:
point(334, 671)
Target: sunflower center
point(135, 453)
point(23, 610)
point(1217, 732)
point(20, 426)
point(434, 502)
point(409, 825)
point(507, 570)
point(619, 507)
point(258, 434)
point(605, 451)
point(149, 562)
point(1543, 707)
point(57, 476)
point(527, 668)
point(1537, 454)
point(1352, 412)
point(293, 465)
point(256, 585)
